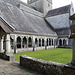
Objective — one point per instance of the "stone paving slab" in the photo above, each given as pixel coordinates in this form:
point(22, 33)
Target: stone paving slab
point(8, 68)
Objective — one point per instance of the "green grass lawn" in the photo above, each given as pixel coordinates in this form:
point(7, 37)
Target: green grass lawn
point(60, 55)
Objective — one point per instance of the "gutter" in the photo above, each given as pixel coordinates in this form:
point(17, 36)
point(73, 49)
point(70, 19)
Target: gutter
point(7, 23)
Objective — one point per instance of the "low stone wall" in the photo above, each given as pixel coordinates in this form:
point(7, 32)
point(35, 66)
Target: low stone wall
point(46, 67)
point(31, 49)
point(9, 57)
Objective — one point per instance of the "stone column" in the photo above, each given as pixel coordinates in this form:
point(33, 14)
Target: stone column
point(51, 42)
point(1, 48)
point(54, 42)
point(58, 42)
point(7, 44)
point(15, 43)
point(27, 42)
point(45, 43)
point(38, 42)
point(21, 42)
point(73, 53)
point(72, 27)
point(67, 42)
point(0, 43)
point(33, 43)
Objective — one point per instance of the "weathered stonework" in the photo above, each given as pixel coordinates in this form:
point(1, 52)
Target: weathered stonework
point(42, 6)
point(46, 67)
point(8, 57)
point(29, 30)
point(72, 27)
point(35, 47)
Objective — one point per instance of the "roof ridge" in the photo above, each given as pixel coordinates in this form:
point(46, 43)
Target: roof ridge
point(58, 11)
point(61, 7)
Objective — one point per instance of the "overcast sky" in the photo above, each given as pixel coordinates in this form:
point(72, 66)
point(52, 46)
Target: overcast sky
point(59, 3)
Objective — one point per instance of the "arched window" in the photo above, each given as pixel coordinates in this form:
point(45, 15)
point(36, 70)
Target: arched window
point(24, 42)
point(39, 42)
point(18, 42)
point(29, 42)
point(49, 42)
point(60, 42)
point(64, 42)
point(11, 43)
point(42, 42)
point(52, 42)
point(36, 42)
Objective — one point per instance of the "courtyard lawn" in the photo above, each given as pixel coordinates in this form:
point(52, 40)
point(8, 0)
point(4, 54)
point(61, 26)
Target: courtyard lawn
point(60, 55)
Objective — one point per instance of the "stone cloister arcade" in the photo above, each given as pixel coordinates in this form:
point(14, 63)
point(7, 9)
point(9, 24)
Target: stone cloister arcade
point(17, 43)
point(63, 42)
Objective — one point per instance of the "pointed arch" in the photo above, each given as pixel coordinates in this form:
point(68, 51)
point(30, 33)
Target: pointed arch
point(60, 42)
point(18, 42)
point(36, 42)
point(29, 42)
point(24, 42)
point(64, 42)
point(52, 42)
point(42, 42)
point(49, 42)
point(11, 43)
point(39, 42)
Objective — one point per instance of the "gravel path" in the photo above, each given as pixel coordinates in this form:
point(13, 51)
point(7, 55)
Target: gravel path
point(8, 68)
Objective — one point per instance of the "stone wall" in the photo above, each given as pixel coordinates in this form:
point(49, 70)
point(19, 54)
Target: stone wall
point(9, 57)
point(31, 49)
point(46, 67)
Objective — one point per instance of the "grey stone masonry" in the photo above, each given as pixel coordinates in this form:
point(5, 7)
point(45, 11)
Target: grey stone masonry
point(46, 67)
point(72, 27)
point(13, 68)
point(9, 57)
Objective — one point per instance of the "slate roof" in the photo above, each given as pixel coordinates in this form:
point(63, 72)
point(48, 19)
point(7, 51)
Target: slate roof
point(59, 21)
point(22, 20)
point(63, 32)
point(6, 28)
point(58, 11)
point(14, 2)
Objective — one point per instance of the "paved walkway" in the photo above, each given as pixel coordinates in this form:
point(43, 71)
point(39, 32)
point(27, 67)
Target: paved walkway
point(8, 68)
